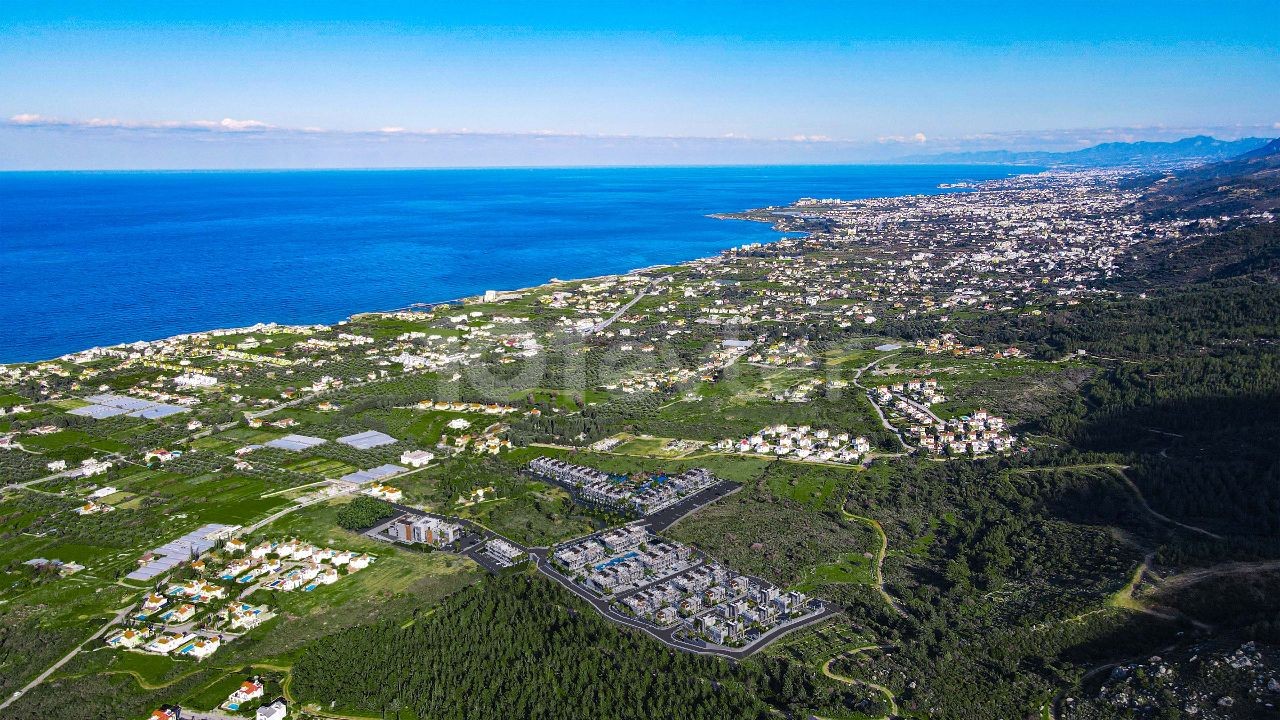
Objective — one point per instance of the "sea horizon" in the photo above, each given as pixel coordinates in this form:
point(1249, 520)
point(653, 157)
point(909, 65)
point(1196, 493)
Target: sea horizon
point(1028, 167)
point(106, 257)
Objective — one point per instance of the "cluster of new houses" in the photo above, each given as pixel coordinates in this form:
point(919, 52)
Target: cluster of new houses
point(619, 559)
point(184, 642)
point(639, 494)
point(802, 443)
point(947, 343)
point(803, 390)
point(788, 353)
point(667, 584)
point(978, 433)
point(291, 565)
point(924, 391)
point(166, 618)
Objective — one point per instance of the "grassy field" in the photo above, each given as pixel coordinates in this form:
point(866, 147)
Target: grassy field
point(538, 515)
point(851, 568)
point(743, 403)
point(812, 485)
point(779, 540)
point(323, 467)
point(649, 446)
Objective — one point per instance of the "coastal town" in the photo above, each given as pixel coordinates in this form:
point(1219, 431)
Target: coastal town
point(572, 431)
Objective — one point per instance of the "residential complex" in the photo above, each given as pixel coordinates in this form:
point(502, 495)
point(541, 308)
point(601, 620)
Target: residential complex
point(669, 585)
point(636, 494)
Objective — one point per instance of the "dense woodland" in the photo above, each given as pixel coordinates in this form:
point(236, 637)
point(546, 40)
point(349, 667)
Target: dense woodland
point(364, 512)
point(522, 647)
point(1187, 399)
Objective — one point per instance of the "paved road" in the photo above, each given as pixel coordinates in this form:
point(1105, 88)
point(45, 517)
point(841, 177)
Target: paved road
point(471, 544)
point(606, 323)
point(292, 508)
point(663, 519)
point(472, 547)
point(668, 636)
point(922, 408)
point(65, 473)
point(668, 516)
point(857, 375)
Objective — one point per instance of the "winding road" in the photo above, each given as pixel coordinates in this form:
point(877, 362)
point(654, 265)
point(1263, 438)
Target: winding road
point(880, 555)
point(888, 694)
point(856, 380)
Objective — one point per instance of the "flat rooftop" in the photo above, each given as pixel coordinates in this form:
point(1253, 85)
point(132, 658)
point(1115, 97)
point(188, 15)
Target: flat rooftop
point(367, 439)
point(378, 473)
point(174, 552)
point(106, 405)
point(296, 443)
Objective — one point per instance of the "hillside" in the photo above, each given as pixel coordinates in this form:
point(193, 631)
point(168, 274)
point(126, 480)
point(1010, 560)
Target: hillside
point(1197, 149)
point(1247, 183)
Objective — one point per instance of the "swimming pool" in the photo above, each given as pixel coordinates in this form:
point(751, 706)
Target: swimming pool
point(615, 561)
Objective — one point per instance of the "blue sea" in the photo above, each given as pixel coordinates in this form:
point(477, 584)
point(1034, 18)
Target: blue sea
point(98, 258)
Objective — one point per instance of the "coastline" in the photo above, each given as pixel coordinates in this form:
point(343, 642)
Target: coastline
point(738, 215)
point(412, 307)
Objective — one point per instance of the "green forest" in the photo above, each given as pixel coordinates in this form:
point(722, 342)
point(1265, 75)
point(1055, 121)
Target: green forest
point(521, 646)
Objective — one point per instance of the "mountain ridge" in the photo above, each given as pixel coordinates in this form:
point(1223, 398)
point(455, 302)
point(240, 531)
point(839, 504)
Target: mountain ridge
point(1194, 149)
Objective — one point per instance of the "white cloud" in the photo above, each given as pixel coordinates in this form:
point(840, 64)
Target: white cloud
point(918, 138)
point(229, 124)
point(225, 124)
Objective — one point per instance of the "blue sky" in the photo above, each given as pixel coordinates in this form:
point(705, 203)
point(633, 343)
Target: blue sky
point(231, 84)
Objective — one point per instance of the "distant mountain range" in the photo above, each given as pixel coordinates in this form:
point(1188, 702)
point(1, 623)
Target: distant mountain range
point(1249, 182)
point(1237, 187)
point(1200, 148)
